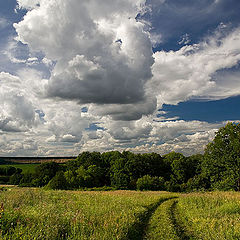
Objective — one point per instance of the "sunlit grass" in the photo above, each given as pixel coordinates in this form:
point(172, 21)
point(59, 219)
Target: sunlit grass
point(28, 213)
point(211, 215)
point(38, 214)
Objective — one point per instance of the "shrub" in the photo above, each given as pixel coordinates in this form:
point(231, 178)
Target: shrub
point(58, 182)
point(172, 186)
point(15, 178)
point(150, 183)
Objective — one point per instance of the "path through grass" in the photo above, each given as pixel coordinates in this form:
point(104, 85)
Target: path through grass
point(164, 223)
point(54, 215)
point(28, 213)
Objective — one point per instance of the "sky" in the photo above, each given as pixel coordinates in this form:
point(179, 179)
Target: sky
point(143, 75)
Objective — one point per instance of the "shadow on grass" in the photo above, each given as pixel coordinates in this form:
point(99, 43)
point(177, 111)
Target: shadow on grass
point(138, 229)
point(179, 227)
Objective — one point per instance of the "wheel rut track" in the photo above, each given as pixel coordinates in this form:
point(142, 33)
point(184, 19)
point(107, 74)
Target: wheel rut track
point(178, 225)
point(138, 230)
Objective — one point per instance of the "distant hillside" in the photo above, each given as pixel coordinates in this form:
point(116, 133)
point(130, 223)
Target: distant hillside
point(7, 160)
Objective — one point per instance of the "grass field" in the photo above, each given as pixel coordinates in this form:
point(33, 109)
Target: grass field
point(29, 213)
point(25, 167)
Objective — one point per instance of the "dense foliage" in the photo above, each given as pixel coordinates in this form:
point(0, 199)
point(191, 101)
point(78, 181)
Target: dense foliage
point(218, 168)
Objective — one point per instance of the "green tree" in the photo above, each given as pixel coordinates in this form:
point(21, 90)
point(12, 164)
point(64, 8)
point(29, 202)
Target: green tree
point(45, 172)
point(15, 178)
point(119, 173)
point(58, 182)
point(150, 183)
point(221, 163)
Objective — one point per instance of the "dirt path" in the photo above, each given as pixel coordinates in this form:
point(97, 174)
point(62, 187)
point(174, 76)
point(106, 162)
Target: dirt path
point(178, 225)
point(138, 230)
point(161, 222)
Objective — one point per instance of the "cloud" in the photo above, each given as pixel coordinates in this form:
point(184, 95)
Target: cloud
point(102, 70)
point(17, 112)
point(191, 71)
point(26, 114)
point(28, 4)
point(184, 40)
point(69, 138)
point(181, 136)
point(16, 52)
point(145, 135)
point(94, 67)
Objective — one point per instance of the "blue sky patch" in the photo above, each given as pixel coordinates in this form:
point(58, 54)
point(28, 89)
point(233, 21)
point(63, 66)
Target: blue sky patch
point(209, 111)
point(94, 127)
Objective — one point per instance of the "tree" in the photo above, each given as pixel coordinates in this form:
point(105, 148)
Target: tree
point(221, 163)
point(150, 183)
point(15, 178)
point(86, 159)
point(58, 182)
point(169, 163)
point(119, 173)
point(44, 173)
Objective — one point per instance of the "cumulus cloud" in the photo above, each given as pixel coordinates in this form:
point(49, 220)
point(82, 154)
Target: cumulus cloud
point(69, 138)
point(181, 136)
point(145, 135)
point(25, 114)
point(27, 4)
point(17, 112)
point(100, 59)
point(103, 55)
point(191, 71)
point(16, 52)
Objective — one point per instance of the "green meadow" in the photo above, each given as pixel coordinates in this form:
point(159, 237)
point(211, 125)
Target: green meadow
point(25, 167)
point(33, 213)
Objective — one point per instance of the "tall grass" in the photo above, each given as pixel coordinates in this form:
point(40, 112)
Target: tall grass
point(39, 214)
point(211, 215)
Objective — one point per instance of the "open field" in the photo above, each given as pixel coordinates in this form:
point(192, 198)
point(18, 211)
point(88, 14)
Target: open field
point(25, 167)
point(29, 213)
point(24, 160)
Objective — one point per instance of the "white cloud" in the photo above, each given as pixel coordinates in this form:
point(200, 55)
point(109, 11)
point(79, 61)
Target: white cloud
point(93, 67)
point(185, 39)
point(100, 57)
point(28, 4)
point(17, 112)
point(25, 114)
point(189, 71)
point(51, 139)
point(47, 62)
point(68, 138)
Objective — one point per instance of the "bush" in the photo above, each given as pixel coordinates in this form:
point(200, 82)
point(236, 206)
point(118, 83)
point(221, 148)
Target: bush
point(197, 183)
point(4, 179)
point(15, 178)
point(172, 186)
point(58, 182)
point(150, 183)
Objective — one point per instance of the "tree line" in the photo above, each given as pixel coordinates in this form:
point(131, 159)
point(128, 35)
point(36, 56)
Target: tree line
point(218, 168)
